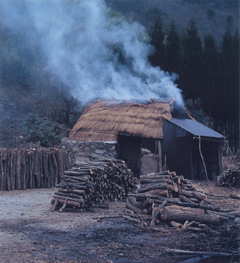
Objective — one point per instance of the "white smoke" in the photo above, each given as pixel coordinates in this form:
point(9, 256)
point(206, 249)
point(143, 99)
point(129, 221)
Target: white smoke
point(91, 51)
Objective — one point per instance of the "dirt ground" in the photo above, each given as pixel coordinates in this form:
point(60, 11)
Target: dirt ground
point(30, 232)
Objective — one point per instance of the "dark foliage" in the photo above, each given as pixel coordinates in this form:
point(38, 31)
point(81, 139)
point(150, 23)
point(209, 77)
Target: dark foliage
point(32, 107)
point(208, 74)
point(35, 108)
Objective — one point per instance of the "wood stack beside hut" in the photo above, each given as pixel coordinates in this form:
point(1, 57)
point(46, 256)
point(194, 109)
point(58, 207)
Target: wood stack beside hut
point(31, 168)
point(88, 185)
point(167, 197)
point(230, 177)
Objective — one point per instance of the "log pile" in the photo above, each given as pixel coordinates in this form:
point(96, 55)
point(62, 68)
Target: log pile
point(88, 185)
point(230, 177)
point(31, 168)
point(166, 197)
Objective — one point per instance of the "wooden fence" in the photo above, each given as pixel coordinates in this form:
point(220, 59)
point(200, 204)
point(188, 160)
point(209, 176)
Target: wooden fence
point(31, 168)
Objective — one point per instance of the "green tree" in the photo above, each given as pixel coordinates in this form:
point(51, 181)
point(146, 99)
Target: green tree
point(192, 64)
point(211, 14)
point(173, 50)
point(229, 90)
point(226, 76)
point(157, 36)
point(236, 85)
point(210, 89)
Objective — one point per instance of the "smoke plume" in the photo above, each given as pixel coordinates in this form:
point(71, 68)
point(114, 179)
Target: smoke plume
point(90, 49)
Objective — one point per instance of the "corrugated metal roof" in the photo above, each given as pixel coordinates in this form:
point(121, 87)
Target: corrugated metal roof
point(196, 128)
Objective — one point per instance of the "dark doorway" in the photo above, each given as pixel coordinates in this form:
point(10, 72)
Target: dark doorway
point(129, 150)
point(210, 153)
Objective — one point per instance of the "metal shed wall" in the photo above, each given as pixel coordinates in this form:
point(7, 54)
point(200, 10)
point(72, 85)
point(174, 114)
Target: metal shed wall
point(181, 148)
point(176, 148)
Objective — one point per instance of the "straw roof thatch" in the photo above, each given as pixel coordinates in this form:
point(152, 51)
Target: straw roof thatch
point(104, 120)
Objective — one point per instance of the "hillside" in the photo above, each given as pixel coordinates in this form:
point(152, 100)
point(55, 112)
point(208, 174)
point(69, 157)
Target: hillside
point(57, 56)
point(210, 16)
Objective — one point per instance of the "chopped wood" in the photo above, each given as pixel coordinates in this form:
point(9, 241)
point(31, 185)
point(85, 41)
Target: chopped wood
point(230, 177)
point(97, 180)
point(176, 213)
point(161, 192)
point(175, 224)
point(193, 194)
point(135, 209)
point(202, 228)
point(133, 201)
point(235, 196)
point(172, 198)
point(69, 202)
point(153, 187)
point(31, 168)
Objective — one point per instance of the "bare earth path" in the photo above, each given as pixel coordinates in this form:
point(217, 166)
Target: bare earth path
point(30, 232)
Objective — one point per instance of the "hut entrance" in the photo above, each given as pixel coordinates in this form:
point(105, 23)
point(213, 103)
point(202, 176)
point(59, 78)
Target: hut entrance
point(129, 150)
point(210, 152)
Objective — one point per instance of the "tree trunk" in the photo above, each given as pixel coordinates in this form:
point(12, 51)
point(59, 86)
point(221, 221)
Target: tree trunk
point(181, 214)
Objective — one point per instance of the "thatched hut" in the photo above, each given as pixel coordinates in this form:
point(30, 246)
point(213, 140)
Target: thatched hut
point(147, 136)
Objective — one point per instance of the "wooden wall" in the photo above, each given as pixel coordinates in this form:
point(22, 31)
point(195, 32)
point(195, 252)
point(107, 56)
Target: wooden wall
point(31, 168)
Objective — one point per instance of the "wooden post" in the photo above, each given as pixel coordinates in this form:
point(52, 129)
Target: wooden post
point(220, 158)
point(18, 171)
point(191, 160)
point(159, 156)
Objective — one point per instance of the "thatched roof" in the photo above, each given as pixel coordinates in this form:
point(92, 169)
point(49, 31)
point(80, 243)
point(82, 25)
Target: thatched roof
point(104, 120)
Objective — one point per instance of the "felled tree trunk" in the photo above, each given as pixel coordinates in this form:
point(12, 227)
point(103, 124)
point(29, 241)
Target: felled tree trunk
point(181, 214)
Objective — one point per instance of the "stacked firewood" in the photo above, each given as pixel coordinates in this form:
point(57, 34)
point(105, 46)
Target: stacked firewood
point(171, 198)
point(230, 177)
point(87, 185)
point(31, 168)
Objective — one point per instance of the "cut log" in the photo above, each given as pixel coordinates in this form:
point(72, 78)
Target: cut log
point(18, 171)
point(79, 192)
point(54, 204)
point(45, 170)
point(160, 199)
point(184, 199)
point(59, 157)
point(68, 195)
point(181, 214)
point(175, 188)
point(235, 196)
point(133, 201)
point(135, 209)
point(37, 169)
point(13, 169)
point(3, 171)
point(175, 224)
point(153, 187)
point(77, 173)
point(55, 169)
point(69, 202)
point(161, 192)
point(8, 171)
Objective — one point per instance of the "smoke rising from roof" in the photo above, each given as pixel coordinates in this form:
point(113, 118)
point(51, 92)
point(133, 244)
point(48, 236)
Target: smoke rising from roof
point(89, 49)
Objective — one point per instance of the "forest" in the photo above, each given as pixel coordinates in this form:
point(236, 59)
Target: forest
point(37, 107)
